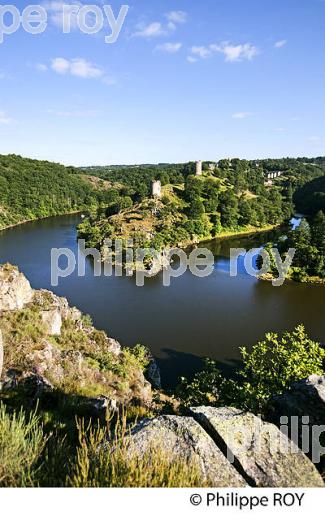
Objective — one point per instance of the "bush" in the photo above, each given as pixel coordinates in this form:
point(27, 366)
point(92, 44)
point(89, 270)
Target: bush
point(204, 389)
point(21, 443)
point(274, 364)
point(117, 465)
point(269, 368)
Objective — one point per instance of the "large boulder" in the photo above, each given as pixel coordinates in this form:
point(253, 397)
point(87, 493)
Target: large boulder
point(302, 410)
point(52, 322)
point(15, 289)
point(184, 437)
point(47, 360)
point(114, 346)
point(259, 451)
point(306, 398)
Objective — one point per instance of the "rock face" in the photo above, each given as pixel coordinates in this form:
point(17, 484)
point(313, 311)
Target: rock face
point(52, 322)
point(305, 399)
point(258, 450)
point(302, 409)
point(184, 437)
point(153, 373)
point(15, 289)
point(63, 349)
point(234, 448)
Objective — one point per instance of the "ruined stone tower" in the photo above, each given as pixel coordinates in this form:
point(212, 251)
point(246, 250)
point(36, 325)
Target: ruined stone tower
point(198, 167)
point(156, 189)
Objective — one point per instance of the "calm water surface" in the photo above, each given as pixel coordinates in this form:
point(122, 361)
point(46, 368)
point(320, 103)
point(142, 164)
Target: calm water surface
point(191, 319)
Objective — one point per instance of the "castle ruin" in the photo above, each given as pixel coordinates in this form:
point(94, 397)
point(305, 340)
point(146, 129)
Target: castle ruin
point(198, 167)
point(156, 189)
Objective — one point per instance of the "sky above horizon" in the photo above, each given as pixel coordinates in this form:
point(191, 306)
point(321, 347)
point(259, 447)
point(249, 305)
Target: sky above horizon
point(185, 80)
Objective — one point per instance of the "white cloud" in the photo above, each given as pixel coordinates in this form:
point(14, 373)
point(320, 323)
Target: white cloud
point(177, 17)
point(240, 52)
point(151, 31)
point(41, 67)
point(76, 67)
point(280, 44)
point(313, 139)
point(156, 29)
point(201, 52)
point(4, 119)
point(191, 59)
point(241, 115)
point(232, 53)
point(60, 65)
point(171, 48)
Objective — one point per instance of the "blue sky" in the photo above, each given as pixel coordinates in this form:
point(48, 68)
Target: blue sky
point(185, 80)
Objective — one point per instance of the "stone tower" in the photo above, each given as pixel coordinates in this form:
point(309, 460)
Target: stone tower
point(198, 167)
point(156, 189)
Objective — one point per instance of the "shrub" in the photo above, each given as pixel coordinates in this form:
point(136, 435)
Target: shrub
point(204, 389)
point(275, 363)
point(100, 464)
point(269, 368)
point(21, 444)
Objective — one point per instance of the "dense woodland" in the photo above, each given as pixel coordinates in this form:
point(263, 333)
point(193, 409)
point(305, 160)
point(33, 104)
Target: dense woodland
point(230, 196)
point(31, 189)
point(308, 241)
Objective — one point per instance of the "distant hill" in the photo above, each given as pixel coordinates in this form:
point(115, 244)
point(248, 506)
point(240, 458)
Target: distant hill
point(310, 198)
point(31, 189)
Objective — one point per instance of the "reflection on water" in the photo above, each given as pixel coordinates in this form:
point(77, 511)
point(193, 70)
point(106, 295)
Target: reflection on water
point(191, 319)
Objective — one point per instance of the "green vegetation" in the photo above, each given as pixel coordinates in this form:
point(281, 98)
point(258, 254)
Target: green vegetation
point(61, 445)
point(79, 362)
point(21, 443)
point(29, 457)
point(243, 174)
point(269, 368)
point(231, 197)
point(310, 198)
point(124, 466)
point(308, 240)
point(31, 189)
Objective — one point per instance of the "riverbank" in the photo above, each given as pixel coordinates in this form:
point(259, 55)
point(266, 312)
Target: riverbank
point(39, 219)
point(309, 280)
point(235, 233)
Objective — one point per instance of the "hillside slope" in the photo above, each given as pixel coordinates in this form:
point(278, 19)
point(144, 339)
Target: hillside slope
point(310, 198)
point(31, 189)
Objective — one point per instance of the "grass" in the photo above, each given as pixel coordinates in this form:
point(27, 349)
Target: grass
point(21, 443)
point(76, 362)
point(92, 456)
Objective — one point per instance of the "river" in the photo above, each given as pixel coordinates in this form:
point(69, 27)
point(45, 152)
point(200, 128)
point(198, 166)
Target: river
point(191, 319)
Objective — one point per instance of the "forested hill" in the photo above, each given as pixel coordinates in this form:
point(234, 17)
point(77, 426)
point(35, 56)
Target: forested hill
point(240, 172)
point(310, 198)
point(31, 189)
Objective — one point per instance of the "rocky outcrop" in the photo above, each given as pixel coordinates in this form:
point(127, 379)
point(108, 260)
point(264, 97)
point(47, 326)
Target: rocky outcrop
point(50, 341)
point(306, 398)
point(52, 321)
point(233, 448)
point(184, 437)
point(258, 449)
point(153, 372)
point(15, 289)
point(301, 411)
